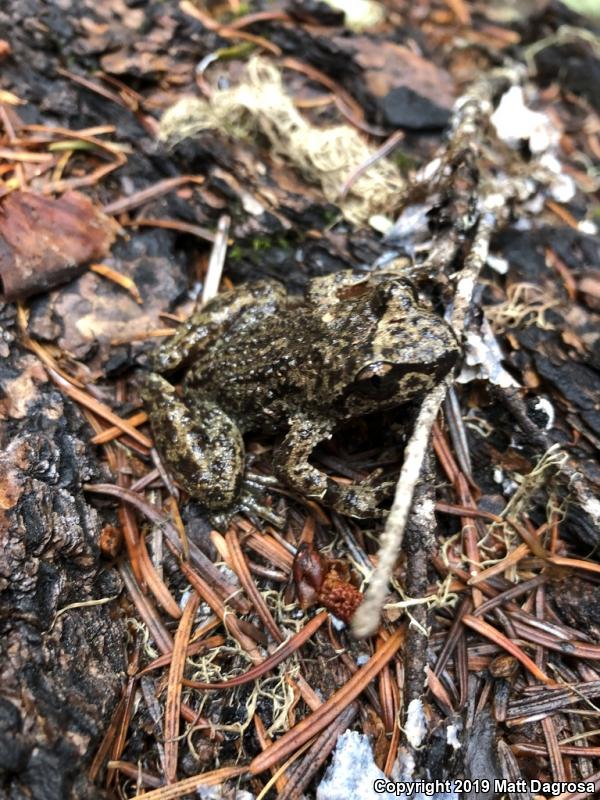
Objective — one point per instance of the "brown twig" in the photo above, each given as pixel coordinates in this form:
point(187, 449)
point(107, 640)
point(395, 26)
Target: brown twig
point(150, 193)
point(301, 774)
point(98, 408)
point(313, 724)
point(114, 432)
point(173, 225)
point(146, 610)
point(283, 652)
point(134, 772)
point(192, 650)
point(223, 586)
point(172, 707)
point(240, 567)
point(189, 785)
point(225, 31)
point(500, 639)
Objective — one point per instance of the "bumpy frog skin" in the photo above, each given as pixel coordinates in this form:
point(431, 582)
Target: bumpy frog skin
point(258, 360)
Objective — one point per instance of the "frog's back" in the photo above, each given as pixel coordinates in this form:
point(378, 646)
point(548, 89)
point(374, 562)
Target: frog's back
point(261, 372)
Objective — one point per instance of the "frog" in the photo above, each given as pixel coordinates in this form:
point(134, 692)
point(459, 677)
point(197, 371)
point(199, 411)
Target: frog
point(256, 359)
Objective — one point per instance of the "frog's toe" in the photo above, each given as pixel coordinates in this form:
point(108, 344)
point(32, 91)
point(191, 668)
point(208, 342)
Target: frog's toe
point(247, 504)
point(252, 506)
point(221, 520)
point(360, 500)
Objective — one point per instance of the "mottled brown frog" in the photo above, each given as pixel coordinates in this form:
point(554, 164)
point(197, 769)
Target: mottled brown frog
point(257, 359)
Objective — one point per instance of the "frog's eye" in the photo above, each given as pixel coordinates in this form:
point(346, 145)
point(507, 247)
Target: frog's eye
point(378, 380)
point(398, 291)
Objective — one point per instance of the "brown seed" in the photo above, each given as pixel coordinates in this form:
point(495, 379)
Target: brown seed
point(110, 541)
point(504, 667)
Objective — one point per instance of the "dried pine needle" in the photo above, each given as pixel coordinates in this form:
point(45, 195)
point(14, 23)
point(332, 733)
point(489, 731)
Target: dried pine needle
point(121, 280)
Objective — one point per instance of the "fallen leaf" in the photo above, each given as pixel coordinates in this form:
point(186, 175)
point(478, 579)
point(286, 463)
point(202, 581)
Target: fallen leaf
point(45, 242)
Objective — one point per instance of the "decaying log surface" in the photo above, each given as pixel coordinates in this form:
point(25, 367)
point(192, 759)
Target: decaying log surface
point(60, 673)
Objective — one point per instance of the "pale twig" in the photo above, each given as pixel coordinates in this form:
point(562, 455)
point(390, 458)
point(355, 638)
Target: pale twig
point(366, 619)
point(469, 124)
point(217, 260)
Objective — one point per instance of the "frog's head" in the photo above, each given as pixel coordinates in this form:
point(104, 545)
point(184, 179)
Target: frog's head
point(408, 352)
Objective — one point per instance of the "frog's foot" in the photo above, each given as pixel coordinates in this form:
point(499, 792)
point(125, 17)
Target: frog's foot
point(252, 499)
point(250, 503)
point(252, 506)
point(359, 500)
point(292, 466)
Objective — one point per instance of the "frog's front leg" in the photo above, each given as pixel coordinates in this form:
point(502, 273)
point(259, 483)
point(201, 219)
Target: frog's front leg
point(200, 444)
point(291, 464)
point(203, 326)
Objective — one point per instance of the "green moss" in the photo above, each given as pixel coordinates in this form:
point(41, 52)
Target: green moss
point(403, 161)
point(236, 51)
point(261, 243)
point(235, 253)
point(591, 8)
point(244, 8)
point(258, 244)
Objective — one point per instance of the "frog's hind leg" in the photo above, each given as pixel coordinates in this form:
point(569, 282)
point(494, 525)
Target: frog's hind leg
point(202, 446)
point(291, 462)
